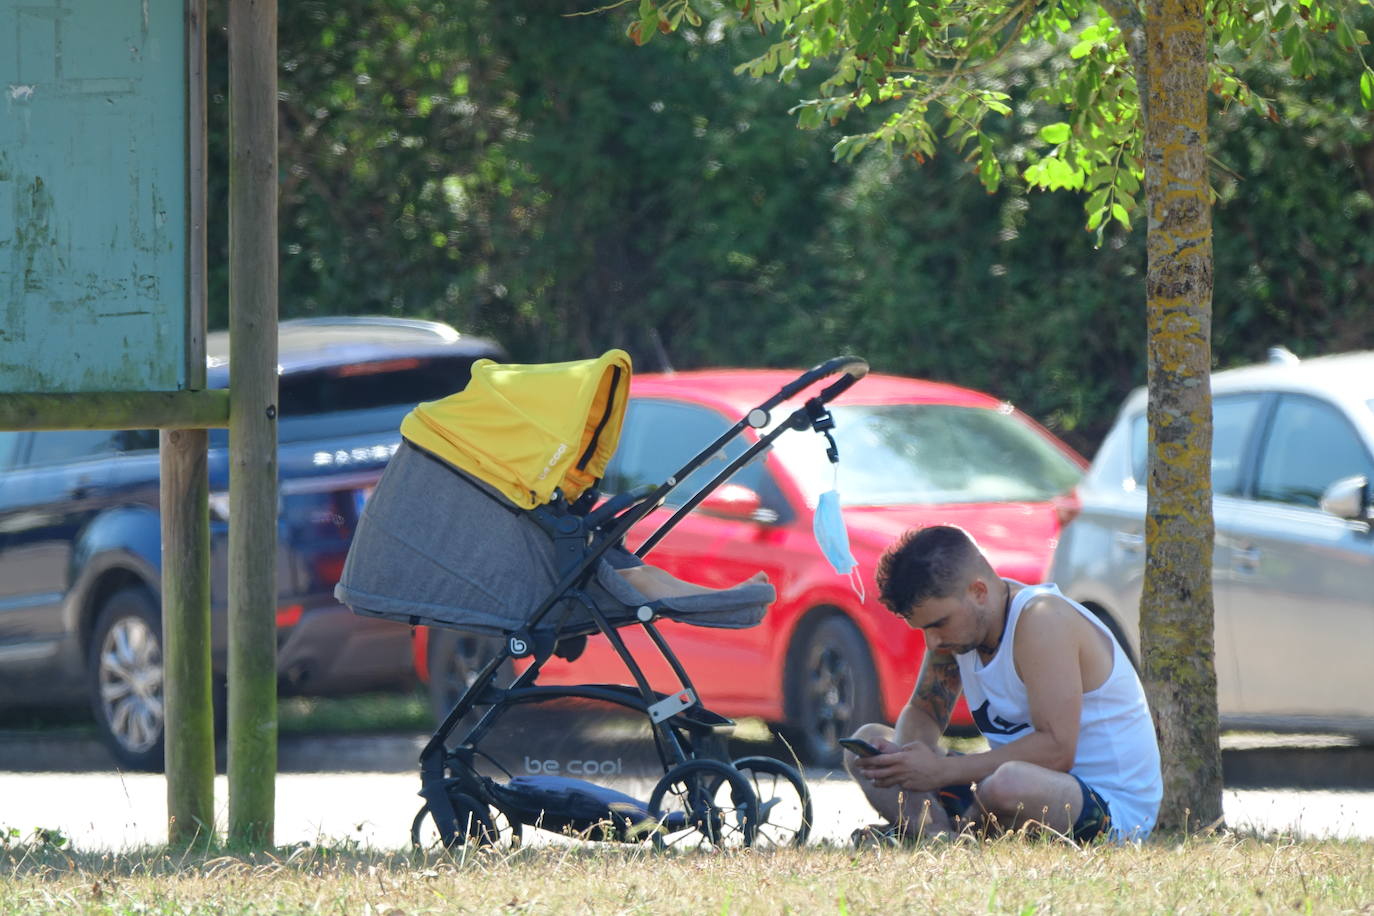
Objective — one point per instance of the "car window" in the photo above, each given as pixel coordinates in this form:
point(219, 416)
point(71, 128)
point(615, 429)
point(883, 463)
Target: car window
point(660, 436)
point(360, 397)
point(895, 454)
point(55, 446)
point(1233, 421)
point(139, 440)
point(1309, 446)
point(9, 449)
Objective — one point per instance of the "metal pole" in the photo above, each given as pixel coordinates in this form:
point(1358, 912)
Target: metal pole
point(252, 420)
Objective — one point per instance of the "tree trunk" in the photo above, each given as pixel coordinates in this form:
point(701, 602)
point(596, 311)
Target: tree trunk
point(1176, 612)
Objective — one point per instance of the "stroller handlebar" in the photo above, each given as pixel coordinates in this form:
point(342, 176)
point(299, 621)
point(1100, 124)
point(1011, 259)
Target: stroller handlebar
point(853, 367)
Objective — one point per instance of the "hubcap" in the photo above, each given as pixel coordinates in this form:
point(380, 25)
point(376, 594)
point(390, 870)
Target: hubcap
point(832, 694)
point(469, 655)
point(130, 673)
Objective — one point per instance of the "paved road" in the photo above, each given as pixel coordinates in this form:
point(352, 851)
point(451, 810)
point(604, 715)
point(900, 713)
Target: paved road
point(374, 802)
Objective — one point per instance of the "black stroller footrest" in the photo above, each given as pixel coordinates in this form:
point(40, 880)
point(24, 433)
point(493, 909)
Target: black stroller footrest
point(562, 803)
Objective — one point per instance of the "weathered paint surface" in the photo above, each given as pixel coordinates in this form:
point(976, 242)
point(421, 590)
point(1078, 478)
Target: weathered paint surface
point(92, 195)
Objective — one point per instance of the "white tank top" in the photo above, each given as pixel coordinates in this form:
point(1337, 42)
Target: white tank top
point(1118, 755)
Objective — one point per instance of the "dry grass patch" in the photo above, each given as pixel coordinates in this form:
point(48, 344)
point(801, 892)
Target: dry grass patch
point(1224, 874)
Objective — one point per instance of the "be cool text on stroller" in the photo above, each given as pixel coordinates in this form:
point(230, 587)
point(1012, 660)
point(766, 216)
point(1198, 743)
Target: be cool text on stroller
point(486, 521)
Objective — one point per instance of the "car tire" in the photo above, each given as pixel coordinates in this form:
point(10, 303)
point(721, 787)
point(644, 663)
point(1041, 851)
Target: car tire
point(124, 671)
point(832, 689)
point(455, 660)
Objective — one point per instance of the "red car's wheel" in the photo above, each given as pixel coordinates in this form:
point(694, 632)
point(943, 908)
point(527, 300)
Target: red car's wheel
point(454, 661)
point(832, 689)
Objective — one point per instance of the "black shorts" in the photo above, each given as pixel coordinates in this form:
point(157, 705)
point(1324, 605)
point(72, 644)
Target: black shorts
point(1093, 821)
point(956, 800)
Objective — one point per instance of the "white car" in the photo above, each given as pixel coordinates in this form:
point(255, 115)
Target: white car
point(1293, 567)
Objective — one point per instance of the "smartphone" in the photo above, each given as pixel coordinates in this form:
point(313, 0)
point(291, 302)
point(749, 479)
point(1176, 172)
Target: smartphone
point(859, 746)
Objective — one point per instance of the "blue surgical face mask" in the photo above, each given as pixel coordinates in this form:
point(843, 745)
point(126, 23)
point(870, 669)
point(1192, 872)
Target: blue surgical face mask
point(831, 535)
point(833, 539)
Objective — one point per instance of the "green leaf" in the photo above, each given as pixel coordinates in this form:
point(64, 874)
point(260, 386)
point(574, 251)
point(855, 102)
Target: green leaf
point(1367, 89)
point(1102, 175)
point(1055, 133)
point(1302, 60)
point(1121, 216)
point(1291, 38)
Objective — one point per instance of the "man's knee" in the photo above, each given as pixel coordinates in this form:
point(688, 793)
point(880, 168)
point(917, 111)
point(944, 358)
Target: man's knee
point(873, 732)
point(1010, 785)
point(1017, 790)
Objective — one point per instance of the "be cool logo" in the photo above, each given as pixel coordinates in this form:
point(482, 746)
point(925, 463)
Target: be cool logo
point(576, 767)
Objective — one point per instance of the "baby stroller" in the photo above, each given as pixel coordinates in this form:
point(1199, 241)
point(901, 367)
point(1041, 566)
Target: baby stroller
point(487, 521)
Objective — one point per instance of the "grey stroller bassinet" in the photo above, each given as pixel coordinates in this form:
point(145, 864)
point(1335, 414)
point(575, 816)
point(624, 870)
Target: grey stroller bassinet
point(438, 547)
point(462, 531)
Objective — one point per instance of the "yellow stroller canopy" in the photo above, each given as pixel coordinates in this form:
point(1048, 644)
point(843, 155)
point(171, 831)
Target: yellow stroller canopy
point(528, 430)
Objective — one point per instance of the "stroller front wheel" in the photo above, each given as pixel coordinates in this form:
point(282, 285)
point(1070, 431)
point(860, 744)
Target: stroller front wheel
point(784, 812)
point(704, 802)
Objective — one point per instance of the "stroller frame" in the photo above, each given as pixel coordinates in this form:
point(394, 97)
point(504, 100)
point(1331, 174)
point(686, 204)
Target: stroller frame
point(689, 739)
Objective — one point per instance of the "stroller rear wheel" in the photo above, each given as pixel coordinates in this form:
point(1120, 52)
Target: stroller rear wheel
point(704, 802)
point(476, 823)
point(784, 817)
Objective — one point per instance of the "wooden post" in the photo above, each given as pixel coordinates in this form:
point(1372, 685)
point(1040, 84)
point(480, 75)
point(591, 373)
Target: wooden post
point(252, 420)
point(189, 723)
point(188, 704)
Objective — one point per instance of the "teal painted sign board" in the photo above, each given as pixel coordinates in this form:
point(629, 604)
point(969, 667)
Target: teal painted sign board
point(93, 195)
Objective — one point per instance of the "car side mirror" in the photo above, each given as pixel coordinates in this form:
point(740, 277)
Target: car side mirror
point(738, 502)
point(1348, 498)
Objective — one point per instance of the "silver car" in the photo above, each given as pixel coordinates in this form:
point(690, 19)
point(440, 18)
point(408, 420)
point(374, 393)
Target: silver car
point(1293, 566)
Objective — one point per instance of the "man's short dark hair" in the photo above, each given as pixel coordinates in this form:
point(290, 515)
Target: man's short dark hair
point(924, 563)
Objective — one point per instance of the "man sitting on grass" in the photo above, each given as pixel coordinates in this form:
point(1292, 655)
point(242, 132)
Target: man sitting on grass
point(1073, 747)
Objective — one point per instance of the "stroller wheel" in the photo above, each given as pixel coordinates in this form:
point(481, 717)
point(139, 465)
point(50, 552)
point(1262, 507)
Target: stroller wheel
point(477, 823)
point(704, 803)
point(784, 817)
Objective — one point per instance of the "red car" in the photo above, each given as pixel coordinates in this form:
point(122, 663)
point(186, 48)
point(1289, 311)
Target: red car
point(823, 661)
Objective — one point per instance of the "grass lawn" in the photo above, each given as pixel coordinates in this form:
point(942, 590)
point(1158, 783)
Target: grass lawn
point(1219, 874)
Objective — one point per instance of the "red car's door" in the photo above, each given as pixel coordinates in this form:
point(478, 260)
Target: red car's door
point(659, 436)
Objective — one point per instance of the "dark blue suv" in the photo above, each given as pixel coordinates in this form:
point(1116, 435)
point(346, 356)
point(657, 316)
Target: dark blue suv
point(80, 546)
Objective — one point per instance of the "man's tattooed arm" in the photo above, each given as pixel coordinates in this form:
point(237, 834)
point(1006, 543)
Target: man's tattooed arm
point(937, 687)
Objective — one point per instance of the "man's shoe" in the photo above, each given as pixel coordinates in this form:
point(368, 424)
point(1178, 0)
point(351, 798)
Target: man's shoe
point(875, 836)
